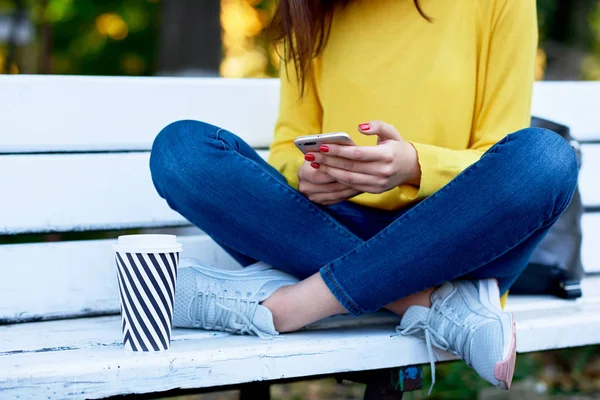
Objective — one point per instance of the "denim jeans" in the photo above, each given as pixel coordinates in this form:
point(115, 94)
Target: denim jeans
point(484, 224)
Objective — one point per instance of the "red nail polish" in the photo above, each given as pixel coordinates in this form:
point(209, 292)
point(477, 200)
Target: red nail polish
point(309, 157)
point(324, 149)
point(365, 127)
point(315, 165)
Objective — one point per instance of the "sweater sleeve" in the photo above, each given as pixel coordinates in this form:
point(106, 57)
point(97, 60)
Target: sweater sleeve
point(297, 116)
point(504, 90)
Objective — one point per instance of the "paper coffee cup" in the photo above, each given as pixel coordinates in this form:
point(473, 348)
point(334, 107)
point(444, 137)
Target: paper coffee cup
point(147, 273)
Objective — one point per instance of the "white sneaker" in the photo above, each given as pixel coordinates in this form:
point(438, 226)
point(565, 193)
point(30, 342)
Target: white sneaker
point(467, 320)
point(221, 300)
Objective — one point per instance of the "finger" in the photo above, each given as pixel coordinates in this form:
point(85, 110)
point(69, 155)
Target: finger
point(310, 174)
point(377, 168)
point(321, 178)
point(359, 153)
point(383, 130)
point(353, 178)
point(371, 189)
point(308, 188)
point(332, 198)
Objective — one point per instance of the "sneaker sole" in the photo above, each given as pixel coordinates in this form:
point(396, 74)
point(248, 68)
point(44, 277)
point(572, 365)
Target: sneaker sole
point(504, 370)
point(489, 296)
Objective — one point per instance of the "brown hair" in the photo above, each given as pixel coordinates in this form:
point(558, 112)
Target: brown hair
point(303, 26)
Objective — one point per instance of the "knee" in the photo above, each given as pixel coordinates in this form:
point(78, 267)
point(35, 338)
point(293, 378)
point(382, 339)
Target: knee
point(549, 162)
point(177, 138)
point(177, 144)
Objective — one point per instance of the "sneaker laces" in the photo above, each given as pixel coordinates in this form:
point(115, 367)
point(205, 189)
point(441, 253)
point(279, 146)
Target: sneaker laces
point(455, 340)
point(234, 318)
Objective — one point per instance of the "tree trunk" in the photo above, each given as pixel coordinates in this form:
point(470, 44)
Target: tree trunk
point(45, 62)
point(568, 39)
point(190, 42)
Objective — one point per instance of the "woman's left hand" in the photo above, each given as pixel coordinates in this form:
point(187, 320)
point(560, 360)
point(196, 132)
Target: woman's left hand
point(372, 169)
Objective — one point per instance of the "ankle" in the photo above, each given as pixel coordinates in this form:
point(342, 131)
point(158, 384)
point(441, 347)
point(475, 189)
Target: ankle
point(422, 299)
point(303, 303)
point(426, 297)
point(276, 304)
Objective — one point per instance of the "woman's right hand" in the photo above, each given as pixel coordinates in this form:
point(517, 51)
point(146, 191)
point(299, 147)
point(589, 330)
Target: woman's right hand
point(320, 188)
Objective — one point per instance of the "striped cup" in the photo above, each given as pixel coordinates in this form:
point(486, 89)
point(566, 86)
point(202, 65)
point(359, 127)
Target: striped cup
point(147, 272)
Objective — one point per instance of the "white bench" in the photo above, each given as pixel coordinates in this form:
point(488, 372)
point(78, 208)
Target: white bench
point(74, 160)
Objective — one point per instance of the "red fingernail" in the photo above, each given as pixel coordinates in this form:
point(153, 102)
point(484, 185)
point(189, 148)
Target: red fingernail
point(309, 157)
point(324, 149)
point(364, 127)
point(315, 165)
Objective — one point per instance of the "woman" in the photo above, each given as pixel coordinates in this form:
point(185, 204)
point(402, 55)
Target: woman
point(432, 217)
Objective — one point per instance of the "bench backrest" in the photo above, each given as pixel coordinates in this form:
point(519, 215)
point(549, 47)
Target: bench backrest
point(74, 170)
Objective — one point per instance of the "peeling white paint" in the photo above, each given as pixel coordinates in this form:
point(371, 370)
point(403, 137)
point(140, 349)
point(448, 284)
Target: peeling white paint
point(95, 365)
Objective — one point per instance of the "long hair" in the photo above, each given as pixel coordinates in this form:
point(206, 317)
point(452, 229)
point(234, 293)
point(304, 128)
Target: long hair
point(304, 26)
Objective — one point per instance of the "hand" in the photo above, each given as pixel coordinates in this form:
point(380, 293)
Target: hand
point(371, 169)
point(320, 188)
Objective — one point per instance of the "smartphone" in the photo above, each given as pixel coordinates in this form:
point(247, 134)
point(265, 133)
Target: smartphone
point(311, 143)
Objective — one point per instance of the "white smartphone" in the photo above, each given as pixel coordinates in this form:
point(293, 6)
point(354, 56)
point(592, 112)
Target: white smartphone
point(311, 143)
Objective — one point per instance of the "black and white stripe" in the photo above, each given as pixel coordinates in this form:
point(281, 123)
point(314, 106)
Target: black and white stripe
point(147, 291)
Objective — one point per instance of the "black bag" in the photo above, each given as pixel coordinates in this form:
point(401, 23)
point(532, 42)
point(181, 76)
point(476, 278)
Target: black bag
point(555, 266)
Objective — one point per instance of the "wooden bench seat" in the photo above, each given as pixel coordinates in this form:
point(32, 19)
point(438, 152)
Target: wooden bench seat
point(74, 168)
point(84, 357)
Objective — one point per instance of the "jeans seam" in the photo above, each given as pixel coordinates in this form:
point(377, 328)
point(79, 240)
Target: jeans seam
point(567, 202)
point(343, 293)
point(219, 139)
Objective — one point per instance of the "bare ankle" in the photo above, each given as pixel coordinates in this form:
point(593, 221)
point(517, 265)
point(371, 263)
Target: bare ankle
point(276, 305)
point(303, 303)
point(422, 299)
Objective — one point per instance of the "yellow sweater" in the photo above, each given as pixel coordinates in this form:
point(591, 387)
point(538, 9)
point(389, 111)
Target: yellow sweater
point(452, 88)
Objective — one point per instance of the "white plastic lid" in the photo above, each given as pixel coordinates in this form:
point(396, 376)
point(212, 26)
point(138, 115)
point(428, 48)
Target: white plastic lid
point(148, 244)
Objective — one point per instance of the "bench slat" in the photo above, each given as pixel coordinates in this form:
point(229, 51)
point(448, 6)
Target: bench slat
point(196, 360)
point(34, 360)
point(81, 192)
point(589, 177)
point(78, 278)
point(590, 251)
point(572, 103)
point(74, 113)
point(114, 191)
point(73, 279)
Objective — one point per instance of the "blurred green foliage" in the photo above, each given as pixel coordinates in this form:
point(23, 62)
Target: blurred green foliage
point(96, 37)
point(108, 37)
point(564, 373)
point(120, 37)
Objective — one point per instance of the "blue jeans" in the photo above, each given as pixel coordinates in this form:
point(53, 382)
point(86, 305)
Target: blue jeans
point(483, 224)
